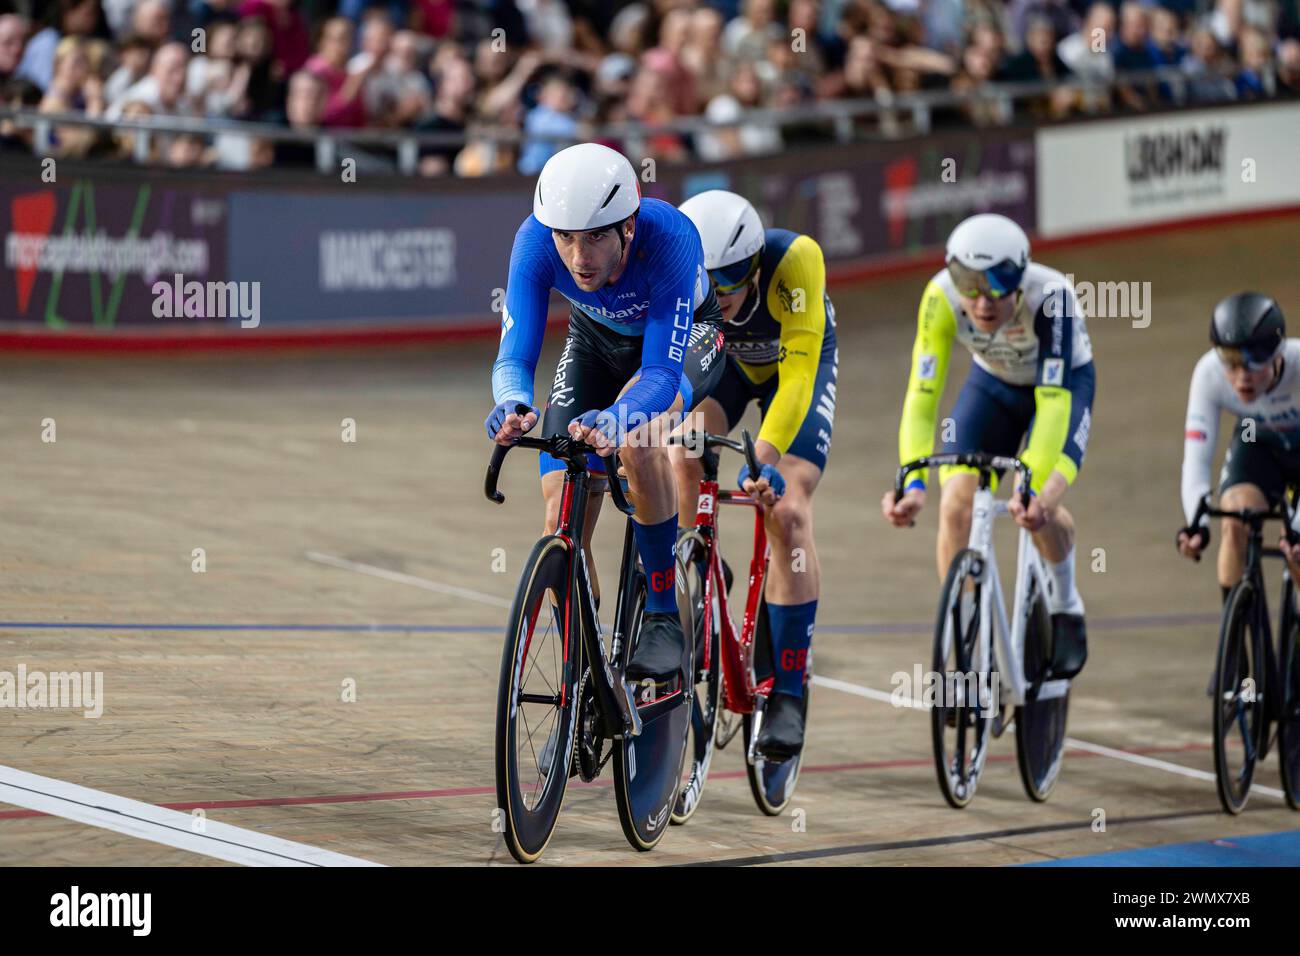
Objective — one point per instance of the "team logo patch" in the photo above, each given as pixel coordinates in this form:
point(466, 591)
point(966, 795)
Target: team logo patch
point(927, 368)
point(1053, 371)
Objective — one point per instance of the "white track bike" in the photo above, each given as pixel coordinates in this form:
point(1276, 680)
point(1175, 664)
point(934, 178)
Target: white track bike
point(986, 664)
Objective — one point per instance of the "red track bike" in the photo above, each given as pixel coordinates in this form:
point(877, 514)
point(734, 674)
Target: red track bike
point(733, 673)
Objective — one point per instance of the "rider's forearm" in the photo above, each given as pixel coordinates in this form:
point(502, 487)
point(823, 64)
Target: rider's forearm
point(1047, 441)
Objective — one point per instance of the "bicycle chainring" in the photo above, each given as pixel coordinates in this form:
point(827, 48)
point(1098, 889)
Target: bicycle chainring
point(591, 740)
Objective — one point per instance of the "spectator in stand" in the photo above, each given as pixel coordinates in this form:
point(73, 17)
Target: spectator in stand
point(549, 25)
point(747, 36)
point(1135, 52)
point(1087, 52)
point(1255, 80)
point(151, 20)
point(943, 25)
point(215, 80)
point(133, 55)
point(452, 101)
point(124, 140)
point(434, 18)
point(801, 23)
point(163, 90)
point(702, 54)
point(977, 67)
point(202, 14)
point(1057, 13)
point(400, 93)
point(18, 94)
point(264, 91)
point(629, 30)
point(345, 106)
point(666, 59)
point(73, 88)
point(290, 42)
point(187, 151)
point(66, 18)
point(1039, 61)
point(1167, 48)
point(648, 102)
point(1207, 69)
point(376, 39)
point(13, 33)
point(1288, 67)
point(305, 110)
point(553, 117)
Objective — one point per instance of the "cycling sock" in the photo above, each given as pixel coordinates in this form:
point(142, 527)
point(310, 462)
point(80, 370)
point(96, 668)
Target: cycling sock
point(655, 543)
point(1064, 595)
point(1227, 589)
point(792, 630)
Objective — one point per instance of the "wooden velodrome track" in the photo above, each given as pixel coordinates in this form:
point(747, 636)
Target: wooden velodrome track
point(372, 562)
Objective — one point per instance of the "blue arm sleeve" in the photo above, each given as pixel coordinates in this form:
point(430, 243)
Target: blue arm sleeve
point(523, 320)
point(678, 266)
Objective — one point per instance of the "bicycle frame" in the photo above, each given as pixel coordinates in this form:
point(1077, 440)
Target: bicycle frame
point(1008, 641)
point(741, 689)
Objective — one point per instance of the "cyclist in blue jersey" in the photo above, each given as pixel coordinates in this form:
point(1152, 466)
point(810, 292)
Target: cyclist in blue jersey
point(642, 348)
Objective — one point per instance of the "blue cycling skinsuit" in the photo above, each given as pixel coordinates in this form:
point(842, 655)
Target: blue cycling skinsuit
point(643, 326)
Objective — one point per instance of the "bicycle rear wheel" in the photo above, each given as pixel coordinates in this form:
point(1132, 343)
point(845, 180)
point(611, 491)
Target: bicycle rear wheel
point(1040, 720)
point(1239, 717)
point(648, 767)
point(691, 595)
point(960, 727)
point(537, 702)
point(1288, 724)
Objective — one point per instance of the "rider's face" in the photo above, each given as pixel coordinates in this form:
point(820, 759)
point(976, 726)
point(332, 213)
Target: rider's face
point(592, 258)
point(730, 302)
point(1249, 383)
point(987, 314)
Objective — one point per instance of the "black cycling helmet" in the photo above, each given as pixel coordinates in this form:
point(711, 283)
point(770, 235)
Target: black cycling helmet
point(1248, 328)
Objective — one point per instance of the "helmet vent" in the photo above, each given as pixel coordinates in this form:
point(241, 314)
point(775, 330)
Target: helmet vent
point(610, 197)
point(736, 238)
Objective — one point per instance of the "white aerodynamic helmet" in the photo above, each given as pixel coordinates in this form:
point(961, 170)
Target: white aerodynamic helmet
point(987, 254)
point(584, 187)
point(732, 235)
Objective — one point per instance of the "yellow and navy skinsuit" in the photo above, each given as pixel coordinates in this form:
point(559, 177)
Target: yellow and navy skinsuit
point(1033, 375)
point(781, 350)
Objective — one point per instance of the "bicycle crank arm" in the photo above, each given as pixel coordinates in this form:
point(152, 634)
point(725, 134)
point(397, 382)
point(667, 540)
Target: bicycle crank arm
point(751, 751)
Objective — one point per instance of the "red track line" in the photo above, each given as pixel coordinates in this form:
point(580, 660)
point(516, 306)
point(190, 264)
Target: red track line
point(484, 791)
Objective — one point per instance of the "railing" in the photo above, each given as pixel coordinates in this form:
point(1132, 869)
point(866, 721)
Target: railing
point(896, 115)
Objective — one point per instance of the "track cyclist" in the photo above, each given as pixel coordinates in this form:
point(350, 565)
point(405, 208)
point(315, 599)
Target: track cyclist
point(781, 352)
point(1252, 372)
point(1032, 378)
point(641, 343)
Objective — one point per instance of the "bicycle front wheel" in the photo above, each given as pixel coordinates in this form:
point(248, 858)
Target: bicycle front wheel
point(1288, 724)
point(537, 702)
point(960, 723)
point(1239, 716)
point(704, 627)
point(1040, 720)
point(648, 767)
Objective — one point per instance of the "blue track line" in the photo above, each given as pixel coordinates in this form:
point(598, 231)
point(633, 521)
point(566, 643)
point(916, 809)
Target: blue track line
point(1264, 849)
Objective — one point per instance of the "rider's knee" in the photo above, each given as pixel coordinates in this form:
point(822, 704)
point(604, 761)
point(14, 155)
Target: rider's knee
point(638, 455)
point(955, 505)
point(1241, 496)
point(790, 518)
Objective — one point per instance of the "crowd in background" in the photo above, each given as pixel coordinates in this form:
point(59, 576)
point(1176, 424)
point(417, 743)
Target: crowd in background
point(566, 68)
